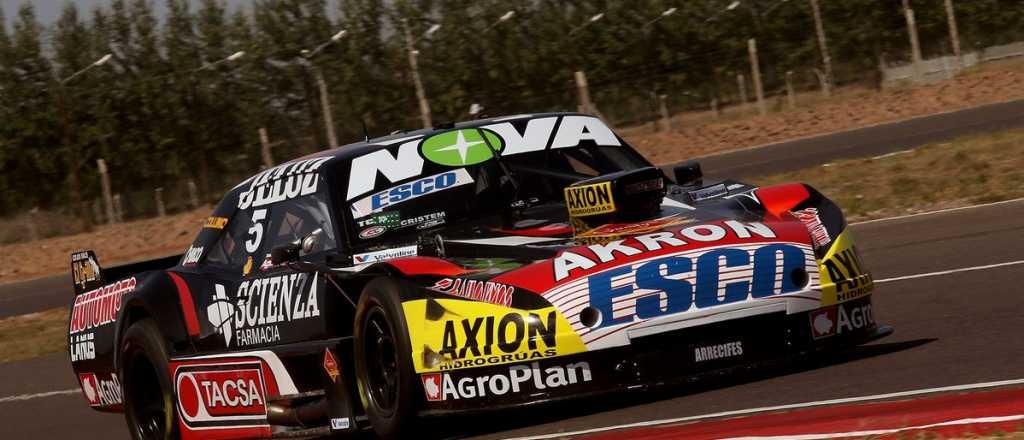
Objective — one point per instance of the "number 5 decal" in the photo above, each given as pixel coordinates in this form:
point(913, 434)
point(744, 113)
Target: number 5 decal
point(255, 231)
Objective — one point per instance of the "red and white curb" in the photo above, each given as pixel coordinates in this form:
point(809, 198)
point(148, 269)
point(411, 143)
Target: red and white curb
point(956, 412)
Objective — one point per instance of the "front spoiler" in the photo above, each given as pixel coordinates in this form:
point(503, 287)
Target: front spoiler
point(675, 358)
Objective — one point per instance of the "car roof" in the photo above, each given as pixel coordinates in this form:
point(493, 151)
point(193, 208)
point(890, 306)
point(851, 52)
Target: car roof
point(356, 149)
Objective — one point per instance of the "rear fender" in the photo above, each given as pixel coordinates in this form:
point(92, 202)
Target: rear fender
point(843, 275)
point(157, 299)
point(822, 217)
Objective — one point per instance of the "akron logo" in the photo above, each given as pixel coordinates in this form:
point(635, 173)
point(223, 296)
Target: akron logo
point(221, 395)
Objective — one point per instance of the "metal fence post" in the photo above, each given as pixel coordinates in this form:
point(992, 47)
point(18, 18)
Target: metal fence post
point(755, 71)
point(158, 194)
point(790, 93)
point(108, 200)
point(118, 211)
point(666, 122)
point(193, 194)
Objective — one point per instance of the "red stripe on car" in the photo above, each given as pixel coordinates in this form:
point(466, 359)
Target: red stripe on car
point(188, 308)
point(428, 266)
point(782, 198)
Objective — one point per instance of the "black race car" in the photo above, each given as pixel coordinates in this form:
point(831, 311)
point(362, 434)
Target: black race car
point(474, 266)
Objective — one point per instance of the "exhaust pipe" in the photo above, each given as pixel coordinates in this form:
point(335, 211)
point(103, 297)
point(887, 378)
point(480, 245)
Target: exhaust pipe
point(303, 415)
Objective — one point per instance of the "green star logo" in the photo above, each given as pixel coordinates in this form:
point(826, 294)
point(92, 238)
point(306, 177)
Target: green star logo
point(461, 147)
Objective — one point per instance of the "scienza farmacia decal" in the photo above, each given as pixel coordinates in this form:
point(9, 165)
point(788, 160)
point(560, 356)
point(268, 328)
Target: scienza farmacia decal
point(466, 147)
point(261, 306)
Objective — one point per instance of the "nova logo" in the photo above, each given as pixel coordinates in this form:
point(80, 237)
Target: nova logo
point(676, 284)
point(507, 136)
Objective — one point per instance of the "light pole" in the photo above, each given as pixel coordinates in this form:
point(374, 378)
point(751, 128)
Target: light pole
point(728, 8)
point(663, 14)
point(915, 46)
point(325, 104)
point(505, 17)
point(103, 60)
point(338, 36)
point(826, 58)
point(954, 36)
point(229, 59)
point(65, 117)
point(193, 79)
point(410, 47)
point(593, 19)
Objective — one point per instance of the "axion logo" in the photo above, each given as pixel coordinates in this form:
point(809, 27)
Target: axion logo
point(513, 336)
point(225, 395)
point(588, 200)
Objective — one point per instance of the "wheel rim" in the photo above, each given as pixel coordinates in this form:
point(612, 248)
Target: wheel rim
point(145, 399)
point(381, 360)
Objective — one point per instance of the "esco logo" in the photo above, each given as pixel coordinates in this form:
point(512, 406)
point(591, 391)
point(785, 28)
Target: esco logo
point(215, 394)
point(675, 284)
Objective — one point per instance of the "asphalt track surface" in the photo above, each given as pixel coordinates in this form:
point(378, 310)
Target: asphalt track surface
point(47, 293)
point(951, 329)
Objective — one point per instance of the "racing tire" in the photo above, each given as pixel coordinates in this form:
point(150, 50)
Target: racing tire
point(383, 360)
point(146, 387)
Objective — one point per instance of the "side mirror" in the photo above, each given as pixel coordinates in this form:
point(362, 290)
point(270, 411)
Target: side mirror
point(311, 243)
point(284, 253)
point(688, 174)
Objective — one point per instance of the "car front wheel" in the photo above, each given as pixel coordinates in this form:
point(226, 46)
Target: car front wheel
point(383, 360)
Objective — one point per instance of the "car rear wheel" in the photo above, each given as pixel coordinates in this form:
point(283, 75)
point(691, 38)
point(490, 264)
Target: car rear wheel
point(383, 360)
point(147, 390)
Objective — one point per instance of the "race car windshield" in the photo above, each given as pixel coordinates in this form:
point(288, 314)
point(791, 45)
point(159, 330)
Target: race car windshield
point(544, 175)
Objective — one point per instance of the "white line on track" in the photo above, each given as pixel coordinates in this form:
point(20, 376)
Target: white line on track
point(894, 153)
point(20, 397)
point(941, 211)
point(874, 432)
point(965, 387)
point(947, 272)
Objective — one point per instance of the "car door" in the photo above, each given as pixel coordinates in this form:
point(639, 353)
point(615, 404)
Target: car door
point(254, 303)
